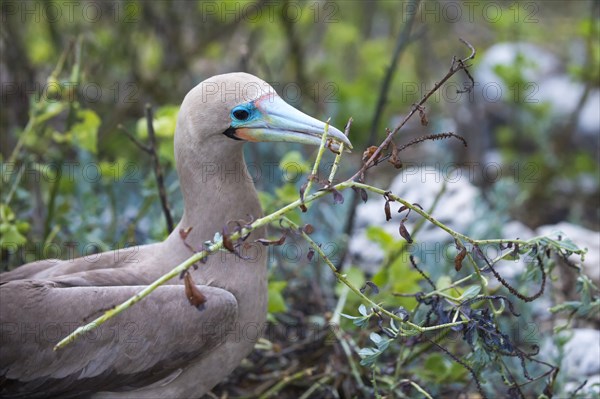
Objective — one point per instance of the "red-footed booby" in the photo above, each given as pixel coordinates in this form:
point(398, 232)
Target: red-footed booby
point(162, 347)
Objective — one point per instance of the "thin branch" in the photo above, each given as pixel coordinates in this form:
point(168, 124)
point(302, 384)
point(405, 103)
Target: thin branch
point(344, 279)
point(335, 321)
point(338, 157)
point(457, 65)
point(134, 139)
point(420, 389)
point(286, 380)
point(401, 43)
point(315, 170)
point(158, 173)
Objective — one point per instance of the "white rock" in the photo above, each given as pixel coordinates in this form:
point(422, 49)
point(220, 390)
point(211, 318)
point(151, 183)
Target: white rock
point(545, 83)
point(591, 388)
point(582, 353)
point(538, 63)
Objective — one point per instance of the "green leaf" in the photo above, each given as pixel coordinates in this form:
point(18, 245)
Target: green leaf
point(378, 235)
point(435, 367)
point(568, 306)
point(362, 309)
point(275, 298)
point(470, 292)
point(165, 120)
point(357, 277)
point(293, 164)
point(86, 131)
point(443, 282)
point(376, 338)
point(287, 193)
point(10, 236)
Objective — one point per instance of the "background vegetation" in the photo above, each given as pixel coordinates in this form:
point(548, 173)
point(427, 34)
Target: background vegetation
point(75, 82)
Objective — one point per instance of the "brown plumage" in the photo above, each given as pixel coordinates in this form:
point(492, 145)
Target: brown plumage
point(163, 346)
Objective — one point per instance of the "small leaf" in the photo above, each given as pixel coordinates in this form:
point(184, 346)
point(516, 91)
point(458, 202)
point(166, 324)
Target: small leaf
point(192, 293)
point(404, 233)
point(459, 259)
point(361, 322)
point(470, 292)
point(347, 316)
point(362, 309)
point(367, 352)
point(376, 338)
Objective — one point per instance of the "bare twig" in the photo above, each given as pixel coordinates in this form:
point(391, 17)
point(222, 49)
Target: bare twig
point(162, 192)
point(457, 65)
point(134, 139)
point(286, 380)
point(403, 40)
point(158, 173)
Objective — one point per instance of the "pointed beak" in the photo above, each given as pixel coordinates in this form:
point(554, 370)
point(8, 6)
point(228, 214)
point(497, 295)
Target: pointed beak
point(278, 121)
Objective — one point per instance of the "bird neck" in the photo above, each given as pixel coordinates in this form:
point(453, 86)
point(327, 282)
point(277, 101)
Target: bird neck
point(217, 189)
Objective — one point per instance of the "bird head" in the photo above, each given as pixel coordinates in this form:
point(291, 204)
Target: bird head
point(238, 107)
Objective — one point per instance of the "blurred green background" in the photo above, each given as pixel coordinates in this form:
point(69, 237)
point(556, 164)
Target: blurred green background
point(76, 77)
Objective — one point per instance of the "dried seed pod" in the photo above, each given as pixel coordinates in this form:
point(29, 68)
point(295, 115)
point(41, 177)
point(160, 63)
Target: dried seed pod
point(417, 205)
point(423, 116)
point(362, 192)
point(369, 153)
point(227, 243)
point(394, 160)
point(374, 288)
point(266, 242)
point(192, 293)
point(459, 258)
point(404, 232)
point(338, 198)
point(388, 214)
point(183, 233)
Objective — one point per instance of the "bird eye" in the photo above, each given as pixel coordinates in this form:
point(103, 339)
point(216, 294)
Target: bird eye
point(241, 114)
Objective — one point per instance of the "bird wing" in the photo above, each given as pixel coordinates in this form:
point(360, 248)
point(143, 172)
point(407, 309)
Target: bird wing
point(144, 344)
point(111, 260)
